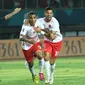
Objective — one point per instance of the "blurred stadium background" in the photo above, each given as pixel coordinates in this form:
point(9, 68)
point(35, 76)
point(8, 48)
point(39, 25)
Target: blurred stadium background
point(70, 66)
point(70, 14)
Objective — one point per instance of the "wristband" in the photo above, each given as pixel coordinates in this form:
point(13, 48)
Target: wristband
point(42, 32)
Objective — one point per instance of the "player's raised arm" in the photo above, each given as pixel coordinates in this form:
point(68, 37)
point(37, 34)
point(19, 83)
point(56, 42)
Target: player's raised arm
point(12, 13)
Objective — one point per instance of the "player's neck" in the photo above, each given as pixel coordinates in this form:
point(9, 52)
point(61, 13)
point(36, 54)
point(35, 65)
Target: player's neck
point(31, 24)
point(47, 20)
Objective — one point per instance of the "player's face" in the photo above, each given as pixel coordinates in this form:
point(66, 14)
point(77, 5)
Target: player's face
point(48, 15)
point(32, 19)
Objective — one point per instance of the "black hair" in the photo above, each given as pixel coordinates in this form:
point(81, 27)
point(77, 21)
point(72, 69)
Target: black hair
point(29, 13)
point(48, 8)
point(32, 13)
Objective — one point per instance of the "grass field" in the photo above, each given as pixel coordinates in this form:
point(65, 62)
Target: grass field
point(69, 71)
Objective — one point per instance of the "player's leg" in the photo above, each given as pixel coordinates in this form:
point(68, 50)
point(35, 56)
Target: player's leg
point(41, 64)
point(55, 50)
point(30, 62)
point(39, 55)
point(47, 67)
point(47, 54)
point(52, 68)
point(34, 76)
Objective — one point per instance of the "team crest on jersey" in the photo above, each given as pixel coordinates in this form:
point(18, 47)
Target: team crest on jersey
point(50, 26)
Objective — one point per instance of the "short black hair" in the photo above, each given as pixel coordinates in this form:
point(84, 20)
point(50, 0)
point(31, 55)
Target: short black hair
point(48, 8)
point(30, 13)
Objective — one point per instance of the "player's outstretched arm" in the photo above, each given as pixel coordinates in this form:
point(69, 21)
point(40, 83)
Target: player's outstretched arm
point(27, 39)
point(12, 13)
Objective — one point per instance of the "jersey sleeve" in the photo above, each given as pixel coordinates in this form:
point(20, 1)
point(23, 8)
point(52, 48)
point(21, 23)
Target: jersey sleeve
point(55, 26)
point(25, 20)
point(23, 31)
point(39, 24)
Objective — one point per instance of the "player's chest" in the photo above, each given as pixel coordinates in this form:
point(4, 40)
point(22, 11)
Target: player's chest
point(31, 32)
point(48, 25)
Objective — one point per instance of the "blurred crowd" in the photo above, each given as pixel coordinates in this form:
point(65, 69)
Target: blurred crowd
point(9, 4)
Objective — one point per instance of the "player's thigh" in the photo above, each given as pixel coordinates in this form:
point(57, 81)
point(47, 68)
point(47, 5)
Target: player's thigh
point(47, 47)
point(47, 50)
point(39, 54)
point(38, 50)
point(56, 49)
point(28, 55)
point(52, 60)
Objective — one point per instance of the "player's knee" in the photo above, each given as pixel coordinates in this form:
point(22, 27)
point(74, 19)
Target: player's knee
point(39, 55)
point(46, 58)
point(52, 61)
point(31, 64)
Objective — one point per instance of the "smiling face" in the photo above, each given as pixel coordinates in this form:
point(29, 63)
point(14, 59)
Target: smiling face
point(32, 17)
point(48, 14)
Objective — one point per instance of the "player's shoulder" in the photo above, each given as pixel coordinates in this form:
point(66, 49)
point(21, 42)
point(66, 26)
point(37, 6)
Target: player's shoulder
point(27, 27)
point(55, 20)
point(25, 22)
point(40, 19)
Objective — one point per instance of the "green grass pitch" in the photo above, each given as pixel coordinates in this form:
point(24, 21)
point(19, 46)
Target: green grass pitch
point(69, 71)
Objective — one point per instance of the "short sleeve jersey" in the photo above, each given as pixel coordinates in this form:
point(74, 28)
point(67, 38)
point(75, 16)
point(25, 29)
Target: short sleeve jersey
point(53, 25)
point(29, 32)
